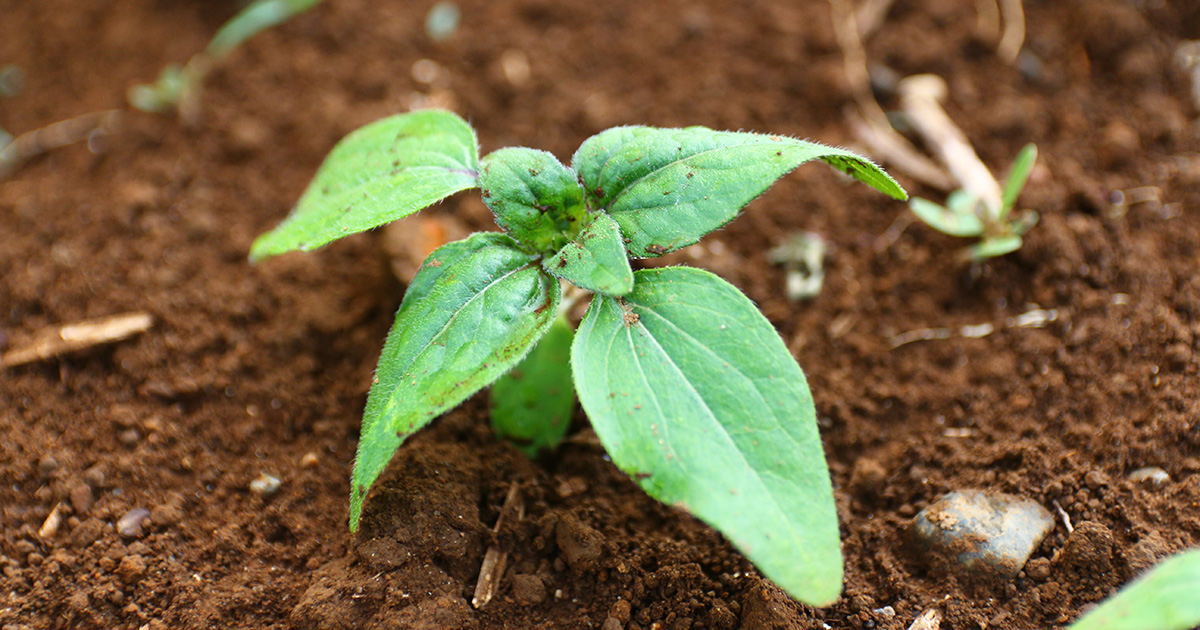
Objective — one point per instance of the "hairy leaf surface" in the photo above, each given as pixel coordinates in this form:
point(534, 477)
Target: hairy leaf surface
point(667, 188)
point(386, 170)
point(481, 304)
point(1166, 598)
point(595, 260)
point(532, 405)
point(534, 197)
point(694, 395)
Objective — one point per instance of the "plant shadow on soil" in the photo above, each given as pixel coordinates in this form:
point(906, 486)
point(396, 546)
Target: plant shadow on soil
point(264, 369)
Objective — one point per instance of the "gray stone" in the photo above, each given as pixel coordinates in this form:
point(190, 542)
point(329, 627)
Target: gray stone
point(132, 524)
point(983, 532)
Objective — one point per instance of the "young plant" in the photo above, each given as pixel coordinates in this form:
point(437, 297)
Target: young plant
point(689, 388)
point(179, 86)
point(1163, 599)
point(997, 227)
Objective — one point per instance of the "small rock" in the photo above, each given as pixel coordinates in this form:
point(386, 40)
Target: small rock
point(47, 465)
point(50, 526)
point(1038, 569)
point(528, 589)
point(81, 497)
point(309, 460)
point(1151, 476)
point(983, 532)
point(265, 485)
point(132, 524)
point(94, 476)
point(1088, 549)
point(129, 437)
point(612, 624)
point(166, 514)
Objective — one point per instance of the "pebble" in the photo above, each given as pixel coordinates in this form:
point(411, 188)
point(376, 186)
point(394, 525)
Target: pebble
point(47, 465)
point(129, 437)
point(1152, 476)
point(94, 476)
point(309, 460)
point(984, 532)
point(265, 485)
point(132, 524)
point(581, 546)
point(81, 497)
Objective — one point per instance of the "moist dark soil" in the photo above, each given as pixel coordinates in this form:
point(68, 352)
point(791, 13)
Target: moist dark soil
point(253, 369)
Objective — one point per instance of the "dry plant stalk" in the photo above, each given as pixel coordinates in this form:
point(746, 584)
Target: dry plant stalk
point(870, 124)
point(495, 561)
point(60, 134)
point(59, 340)
point(920, 98)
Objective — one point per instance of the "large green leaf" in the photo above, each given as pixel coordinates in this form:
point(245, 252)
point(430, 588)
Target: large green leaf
point(1166, 598)
point(595, 260)
point(386, 170)
point(666, 188)
point(532, 404)
point(486, 305)
point(534, 197)
point(695, 396)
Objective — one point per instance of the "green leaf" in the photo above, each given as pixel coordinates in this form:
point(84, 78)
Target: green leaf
point(487, 304)
point(534, 197)
point(1017, 176)
point(695, 396)
point(255, 18)
point(386, 170)
point(946, 220)
point(1163, 599)
point(666, 188)
point(993, 247)
point(532, 405)
point(596, 260)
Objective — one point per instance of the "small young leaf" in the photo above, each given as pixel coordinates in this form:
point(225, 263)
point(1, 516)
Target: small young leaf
point(534, 197)
point(1017, 176)
point(386, 170)
point(1163, 599)
point(532, 404)
point(993, 247)
point(946, 220)
point(596, 260)
point(486, 306)
point(694, 395)
point(666, 188)
point(256, 17)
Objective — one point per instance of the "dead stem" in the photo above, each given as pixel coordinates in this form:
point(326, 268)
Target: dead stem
point(59, 340)
point(53, 136)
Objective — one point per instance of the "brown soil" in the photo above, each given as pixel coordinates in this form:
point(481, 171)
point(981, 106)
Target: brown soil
point(253, 369)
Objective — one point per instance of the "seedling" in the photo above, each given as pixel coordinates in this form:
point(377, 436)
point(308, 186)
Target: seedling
point(998, 228)
point(179, 86)
point(688, 387)
point(1163, 599)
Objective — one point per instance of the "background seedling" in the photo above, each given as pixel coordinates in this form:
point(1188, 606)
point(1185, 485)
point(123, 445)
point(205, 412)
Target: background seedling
point(689, 388)
point(998, 227)
point(1163, 599)
point(178, 87)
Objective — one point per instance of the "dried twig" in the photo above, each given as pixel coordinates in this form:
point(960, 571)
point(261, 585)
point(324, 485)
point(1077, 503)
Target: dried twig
point(871, 125)
point(920, 98)
point(495, 560)
point(53, 136)
point(870, 16)
point(1014, 30)
point(60, 340)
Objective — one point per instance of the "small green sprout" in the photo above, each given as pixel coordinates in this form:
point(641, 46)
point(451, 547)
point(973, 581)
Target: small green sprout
point(689, 388)
point(998, 228)
point(178, 86)
point(1163, 599)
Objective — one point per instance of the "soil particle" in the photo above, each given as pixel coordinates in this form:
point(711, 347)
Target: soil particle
point(1145, 553)
point(581, 545)
point(131, 568)
point(528, 589)
point(1088, 553)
